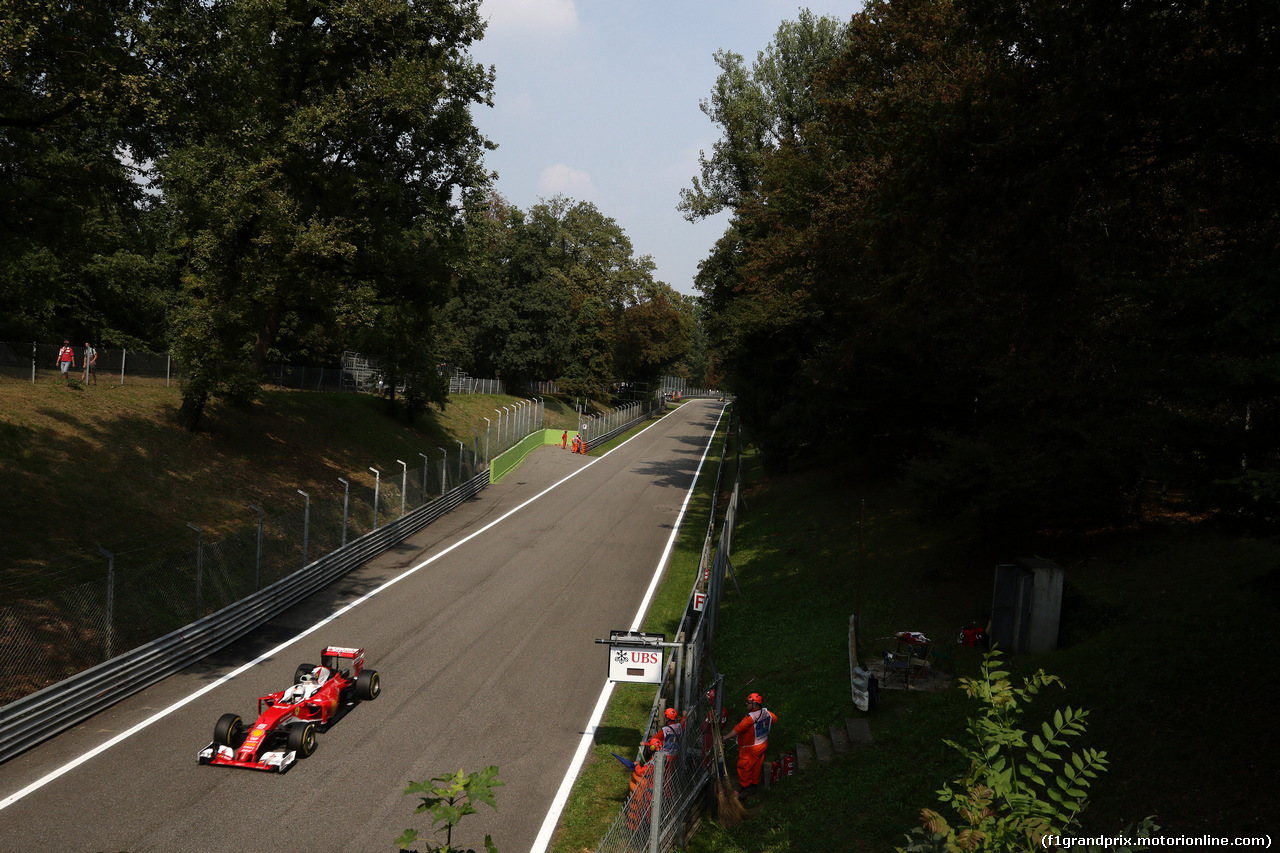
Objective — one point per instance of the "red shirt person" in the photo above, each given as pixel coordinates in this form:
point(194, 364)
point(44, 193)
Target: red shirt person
point(753, 738)
point(66, 357)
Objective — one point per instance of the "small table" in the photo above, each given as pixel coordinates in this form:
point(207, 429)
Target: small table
point(916, 647)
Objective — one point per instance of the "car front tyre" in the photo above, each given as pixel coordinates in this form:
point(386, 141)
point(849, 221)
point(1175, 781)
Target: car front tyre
point(302, 738)
point(229, 731)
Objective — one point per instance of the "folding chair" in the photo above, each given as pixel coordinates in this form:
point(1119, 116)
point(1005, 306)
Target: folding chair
point(897, 667)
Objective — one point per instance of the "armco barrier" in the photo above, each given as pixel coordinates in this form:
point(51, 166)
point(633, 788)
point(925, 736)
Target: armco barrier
point(43, 714)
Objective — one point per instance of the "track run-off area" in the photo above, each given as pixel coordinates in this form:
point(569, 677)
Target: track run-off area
point(482, 628)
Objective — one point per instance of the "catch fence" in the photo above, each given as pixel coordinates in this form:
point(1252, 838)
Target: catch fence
point(61, 618)
point(657, 814)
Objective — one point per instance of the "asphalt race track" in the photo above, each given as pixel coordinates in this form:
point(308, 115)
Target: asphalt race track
point(486, 654)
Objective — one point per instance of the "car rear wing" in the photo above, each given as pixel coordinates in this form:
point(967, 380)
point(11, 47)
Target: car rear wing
point(343, 659)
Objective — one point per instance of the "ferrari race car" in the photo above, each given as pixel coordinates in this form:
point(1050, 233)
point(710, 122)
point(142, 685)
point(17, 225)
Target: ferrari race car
point(288, 720)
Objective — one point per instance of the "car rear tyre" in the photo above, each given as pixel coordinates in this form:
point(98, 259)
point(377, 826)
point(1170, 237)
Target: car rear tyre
point(303, 669)
point(368, 685)
point(302, 738)
point(229, 730)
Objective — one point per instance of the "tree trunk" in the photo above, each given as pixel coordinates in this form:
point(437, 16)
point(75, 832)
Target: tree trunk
point(267, 329)
point(192, 408)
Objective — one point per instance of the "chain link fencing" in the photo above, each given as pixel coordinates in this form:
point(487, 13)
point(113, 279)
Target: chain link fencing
point(40, 362)
point(87, 608)
point(657, 815)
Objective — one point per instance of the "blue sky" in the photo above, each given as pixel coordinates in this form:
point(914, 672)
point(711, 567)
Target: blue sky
point(597, 100)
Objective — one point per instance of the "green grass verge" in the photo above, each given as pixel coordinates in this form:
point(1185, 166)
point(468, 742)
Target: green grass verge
point(1147, 617)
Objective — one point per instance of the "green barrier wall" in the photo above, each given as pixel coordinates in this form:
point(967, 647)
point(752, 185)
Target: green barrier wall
point(505, 462)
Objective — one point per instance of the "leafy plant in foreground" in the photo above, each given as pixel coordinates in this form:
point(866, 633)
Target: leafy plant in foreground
point(1017, 788)
point(449, 798)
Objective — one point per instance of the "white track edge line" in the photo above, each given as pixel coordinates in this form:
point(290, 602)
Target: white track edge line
point(549, 823)
point(128, 733)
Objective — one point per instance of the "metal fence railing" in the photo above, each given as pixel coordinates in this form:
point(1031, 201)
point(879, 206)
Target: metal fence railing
point(658, 812)
point(597, 429)
point(39, 362)
point(81, 610)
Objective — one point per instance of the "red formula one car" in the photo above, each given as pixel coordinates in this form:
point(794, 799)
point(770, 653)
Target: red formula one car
point(288, 720)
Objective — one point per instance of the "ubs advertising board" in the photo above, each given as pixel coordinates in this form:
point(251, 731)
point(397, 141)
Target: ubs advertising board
point(635, 656)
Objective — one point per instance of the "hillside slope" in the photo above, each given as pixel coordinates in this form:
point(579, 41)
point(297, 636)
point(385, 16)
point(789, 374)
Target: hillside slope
point(108, 465)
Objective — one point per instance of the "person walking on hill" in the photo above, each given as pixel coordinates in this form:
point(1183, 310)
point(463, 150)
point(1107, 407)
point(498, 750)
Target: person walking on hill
point(564, 440)
point(753, 737)
point(66, 358)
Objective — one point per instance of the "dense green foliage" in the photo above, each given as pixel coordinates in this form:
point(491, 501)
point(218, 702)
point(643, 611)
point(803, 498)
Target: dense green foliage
point(1027, 250)
point(557, 293)
point(245, 181)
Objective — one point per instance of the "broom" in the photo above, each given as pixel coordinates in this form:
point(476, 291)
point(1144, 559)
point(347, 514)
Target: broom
point(729, 811)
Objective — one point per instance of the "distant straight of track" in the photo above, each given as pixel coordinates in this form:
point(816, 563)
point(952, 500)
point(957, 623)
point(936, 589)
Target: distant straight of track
point(482, 628)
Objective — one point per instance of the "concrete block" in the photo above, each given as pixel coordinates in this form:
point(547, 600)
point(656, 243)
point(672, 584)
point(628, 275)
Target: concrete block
point(822, 747)
point(839, 739)
point(859, 732)
point(804, 757)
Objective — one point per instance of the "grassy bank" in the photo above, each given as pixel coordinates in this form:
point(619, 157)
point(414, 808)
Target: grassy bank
point(1157, 627)
point(107, 463)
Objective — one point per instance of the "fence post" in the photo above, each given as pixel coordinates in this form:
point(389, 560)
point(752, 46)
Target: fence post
point(459, 463)
point(655, 822)
point(486, 441)
point(424, 478)
point(404, 483)
point(499, 414)
point(111, 602)
point(168, 368)
point(124, 356)
point(444, 467)
point(199, 566)
point(377, 480)
point(475, 452)
point(346, 495)
point(306, 527)
point(33, 362)
point(257, 560)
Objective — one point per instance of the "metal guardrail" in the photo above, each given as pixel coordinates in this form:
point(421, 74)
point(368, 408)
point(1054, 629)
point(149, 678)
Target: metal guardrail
point(43, 714)
point(597, 440)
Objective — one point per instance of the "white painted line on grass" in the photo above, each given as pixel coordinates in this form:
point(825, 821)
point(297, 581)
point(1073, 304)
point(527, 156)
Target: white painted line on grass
point(160, 715)
point(541, 843)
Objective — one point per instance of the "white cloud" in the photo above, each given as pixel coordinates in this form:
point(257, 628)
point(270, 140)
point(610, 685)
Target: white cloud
point(564, 180)
point(530, 17)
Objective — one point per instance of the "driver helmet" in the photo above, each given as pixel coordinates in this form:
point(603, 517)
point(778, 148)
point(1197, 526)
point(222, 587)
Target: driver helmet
point(307, 678)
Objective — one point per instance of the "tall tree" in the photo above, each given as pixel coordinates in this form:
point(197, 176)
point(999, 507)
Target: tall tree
point(311, 153)
point(510, 316)
point(653, 337)
point(1027, 243)
point(759, 110)
point(74, 258)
